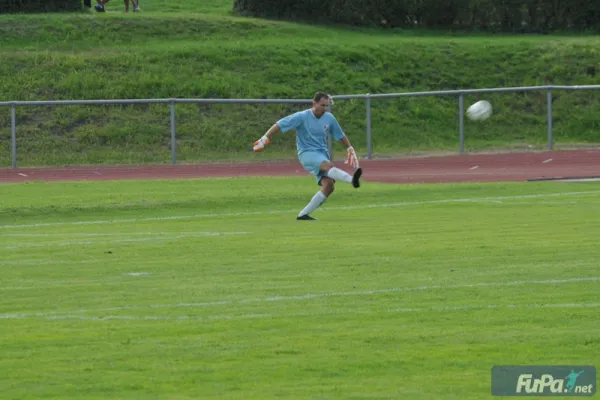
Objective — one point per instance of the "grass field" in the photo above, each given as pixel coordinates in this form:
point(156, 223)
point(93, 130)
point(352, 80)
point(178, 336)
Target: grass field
point(209, 289)
point(197, 49)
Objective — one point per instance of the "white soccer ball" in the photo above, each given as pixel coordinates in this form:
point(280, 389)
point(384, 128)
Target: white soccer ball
point(479, 111)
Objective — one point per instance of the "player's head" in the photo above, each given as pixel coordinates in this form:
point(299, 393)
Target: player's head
point(320, 103)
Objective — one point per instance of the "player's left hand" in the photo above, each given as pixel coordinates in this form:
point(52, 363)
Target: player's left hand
point(352, 159)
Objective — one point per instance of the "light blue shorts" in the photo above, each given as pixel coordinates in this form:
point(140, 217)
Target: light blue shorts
point(311, 161)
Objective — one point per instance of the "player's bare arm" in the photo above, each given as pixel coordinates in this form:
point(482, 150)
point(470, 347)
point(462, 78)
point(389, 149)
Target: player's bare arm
point(272, 130)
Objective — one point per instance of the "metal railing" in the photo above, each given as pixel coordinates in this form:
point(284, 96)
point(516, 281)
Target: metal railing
point(366, 97)
point(461, 105)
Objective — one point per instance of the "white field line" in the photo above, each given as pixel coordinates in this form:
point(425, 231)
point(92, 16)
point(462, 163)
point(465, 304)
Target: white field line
point(562, 203)
point(117, 260)
point(498, 199)
point(309, 296)
point(101, 242)
point(297, 315)
point(73, 234)
point(580, 180)
point(4, 263)
point(275, 212)
point(29, 284)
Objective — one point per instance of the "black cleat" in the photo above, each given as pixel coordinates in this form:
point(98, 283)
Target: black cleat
point(356, 178)
point(305, 217)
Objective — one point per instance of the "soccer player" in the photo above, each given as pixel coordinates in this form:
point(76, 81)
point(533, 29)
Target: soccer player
point(312, 127)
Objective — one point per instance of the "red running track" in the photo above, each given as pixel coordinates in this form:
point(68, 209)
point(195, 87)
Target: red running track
point(506, 167)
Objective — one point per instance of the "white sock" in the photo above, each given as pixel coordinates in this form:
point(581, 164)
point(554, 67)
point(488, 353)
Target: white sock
point(316, 201)
point(339, 175)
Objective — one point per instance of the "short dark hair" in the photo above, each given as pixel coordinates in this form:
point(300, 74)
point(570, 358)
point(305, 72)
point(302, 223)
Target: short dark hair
point(319, 95)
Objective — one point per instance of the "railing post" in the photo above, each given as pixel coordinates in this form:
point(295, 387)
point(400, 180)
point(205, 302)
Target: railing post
point(13, 133)
point(173, 136)
point(549, 100)
point(369, 139)
point(329, 140)
point(461, 122)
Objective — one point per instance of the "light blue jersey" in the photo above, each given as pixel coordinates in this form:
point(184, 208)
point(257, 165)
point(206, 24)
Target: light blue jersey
point(311, 132)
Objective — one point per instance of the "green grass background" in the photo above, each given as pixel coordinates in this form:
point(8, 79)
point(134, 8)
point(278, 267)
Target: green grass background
point(188, 289)
point(198, 49)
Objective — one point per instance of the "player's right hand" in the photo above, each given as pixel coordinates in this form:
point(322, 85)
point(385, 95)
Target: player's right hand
point(260, 144)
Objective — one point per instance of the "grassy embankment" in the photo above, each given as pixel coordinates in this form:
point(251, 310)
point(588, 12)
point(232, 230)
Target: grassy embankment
point(197, 49)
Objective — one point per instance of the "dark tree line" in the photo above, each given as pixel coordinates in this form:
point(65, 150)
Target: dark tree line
point(485, 15)
point(37, 6)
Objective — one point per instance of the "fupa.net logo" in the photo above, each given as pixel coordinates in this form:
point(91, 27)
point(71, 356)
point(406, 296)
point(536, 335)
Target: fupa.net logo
point(539, 380)
point(528, 384)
